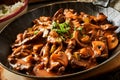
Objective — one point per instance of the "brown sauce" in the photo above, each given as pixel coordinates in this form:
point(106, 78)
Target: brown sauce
point(64, 43)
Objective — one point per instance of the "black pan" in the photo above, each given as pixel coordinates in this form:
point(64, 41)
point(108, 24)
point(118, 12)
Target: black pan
point(8, 35)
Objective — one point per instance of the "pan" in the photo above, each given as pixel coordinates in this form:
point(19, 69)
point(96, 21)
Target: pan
point(8, 35)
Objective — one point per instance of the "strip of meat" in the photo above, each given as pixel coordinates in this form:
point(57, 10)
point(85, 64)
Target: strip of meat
point(45, 54)
point(28, 39)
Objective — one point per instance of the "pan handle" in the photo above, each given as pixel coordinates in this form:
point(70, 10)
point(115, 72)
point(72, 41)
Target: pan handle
point(103, 3)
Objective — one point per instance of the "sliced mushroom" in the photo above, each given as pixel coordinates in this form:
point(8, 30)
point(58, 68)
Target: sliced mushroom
point(60, 57)
point(108, 26)
point(85, 39)
point(112, 41)
point(98, 47)
point(58, 62)
point(101, 17)
point(83, 53)
point(86, 52)
point(83, 59)
point(75, 36)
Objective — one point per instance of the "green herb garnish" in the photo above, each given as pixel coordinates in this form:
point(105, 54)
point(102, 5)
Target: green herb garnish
point(79, 28)
point(84, 35)
point(60, 28)
point(36, 32)
point(54, 25)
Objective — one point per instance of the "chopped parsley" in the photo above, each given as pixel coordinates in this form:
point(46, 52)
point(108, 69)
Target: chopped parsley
point(79, 28)
point(36, 32)
point(60, 28)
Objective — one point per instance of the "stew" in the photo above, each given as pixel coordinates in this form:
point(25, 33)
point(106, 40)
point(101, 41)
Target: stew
point(64, 43)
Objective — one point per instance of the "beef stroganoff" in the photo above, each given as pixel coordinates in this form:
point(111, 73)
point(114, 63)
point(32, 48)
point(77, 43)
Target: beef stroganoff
point(65, 43)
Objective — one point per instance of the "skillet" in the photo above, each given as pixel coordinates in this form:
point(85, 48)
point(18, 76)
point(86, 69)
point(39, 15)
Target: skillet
point(8, 34)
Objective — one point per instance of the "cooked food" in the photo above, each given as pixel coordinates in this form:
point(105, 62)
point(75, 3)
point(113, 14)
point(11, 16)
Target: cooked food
point(6, 10)
point(65, 43)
